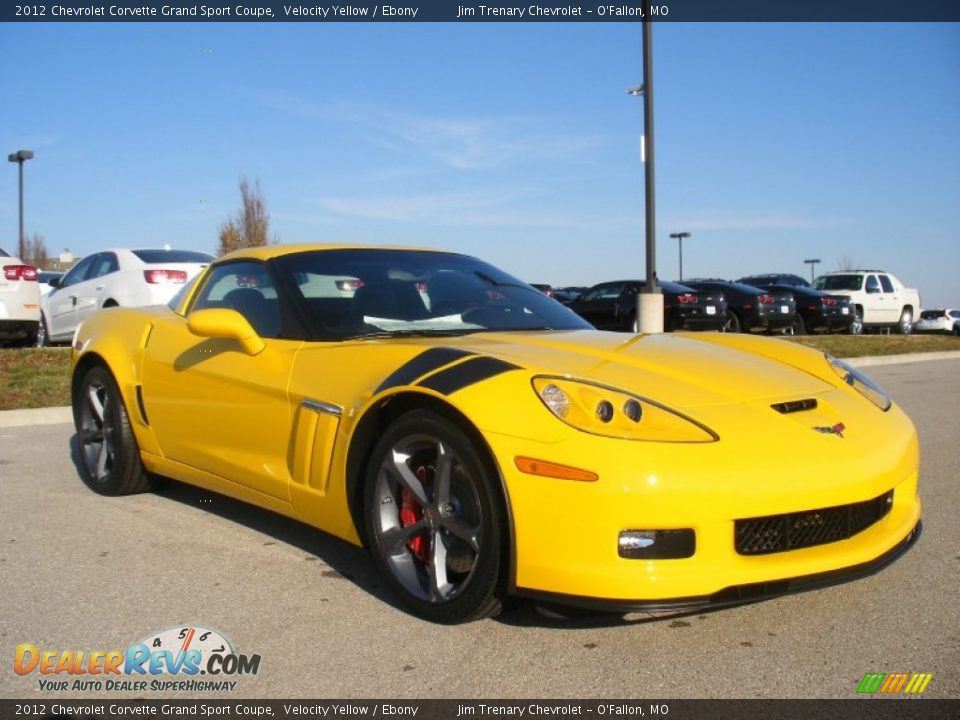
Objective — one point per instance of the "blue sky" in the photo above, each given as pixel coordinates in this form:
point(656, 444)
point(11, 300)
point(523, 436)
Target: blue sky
point(513, 142)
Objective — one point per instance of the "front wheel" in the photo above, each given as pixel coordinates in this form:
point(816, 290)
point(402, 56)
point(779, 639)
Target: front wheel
point(109, 456)
point(43, 334)
point(856, 327)
point(435, 520)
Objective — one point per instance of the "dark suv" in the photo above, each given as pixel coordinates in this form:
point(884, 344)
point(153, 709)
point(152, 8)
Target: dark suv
point(750, 307)
point(613, 306)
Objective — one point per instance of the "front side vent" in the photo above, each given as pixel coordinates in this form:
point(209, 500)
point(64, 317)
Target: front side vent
point(795, 406)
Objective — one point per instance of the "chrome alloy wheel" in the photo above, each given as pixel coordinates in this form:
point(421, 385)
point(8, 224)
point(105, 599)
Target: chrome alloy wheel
point(97, 433)
point(428, 518)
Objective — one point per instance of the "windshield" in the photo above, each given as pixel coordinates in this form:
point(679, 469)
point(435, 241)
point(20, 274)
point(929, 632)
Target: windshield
point(364, 293)
point(838, 282)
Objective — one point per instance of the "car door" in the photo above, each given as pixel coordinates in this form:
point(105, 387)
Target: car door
point(211, 405)
point(598, 305)
point(890, 299)
point(90, 291)
point(61, 306)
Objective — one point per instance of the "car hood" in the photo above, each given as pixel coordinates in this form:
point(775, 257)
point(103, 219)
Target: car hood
point(677, 368)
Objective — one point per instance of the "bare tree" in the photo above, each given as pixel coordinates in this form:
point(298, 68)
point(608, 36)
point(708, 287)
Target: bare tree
point(250, 227)
point(35, 251)
point(846, 263)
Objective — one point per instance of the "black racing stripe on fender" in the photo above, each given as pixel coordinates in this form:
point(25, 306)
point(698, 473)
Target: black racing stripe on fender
point(466, 373)
point(425, 362)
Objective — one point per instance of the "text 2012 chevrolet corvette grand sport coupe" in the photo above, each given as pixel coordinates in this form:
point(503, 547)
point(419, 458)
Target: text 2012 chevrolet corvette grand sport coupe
point(483, 441)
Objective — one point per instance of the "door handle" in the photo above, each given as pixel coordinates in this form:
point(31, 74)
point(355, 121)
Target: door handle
point(100, 287)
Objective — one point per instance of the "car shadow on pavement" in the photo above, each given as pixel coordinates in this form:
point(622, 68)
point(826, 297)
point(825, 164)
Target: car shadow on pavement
point(354, 564)
point(342, 559)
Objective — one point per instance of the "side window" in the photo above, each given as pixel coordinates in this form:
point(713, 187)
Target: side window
point(604, 292)
point(247, 288)
point(872, 284)
point(886, 284)
point(955, 314)
point(104, 264)
point(80, 271)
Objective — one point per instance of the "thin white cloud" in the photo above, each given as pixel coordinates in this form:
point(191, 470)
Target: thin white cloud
point(461, 143)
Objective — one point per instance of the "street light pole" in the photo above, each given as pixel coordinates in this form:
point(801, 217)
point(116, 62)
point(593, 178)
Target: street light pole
point(650, 299)
point(680, 236)
point(20, 157)
point(811, 262)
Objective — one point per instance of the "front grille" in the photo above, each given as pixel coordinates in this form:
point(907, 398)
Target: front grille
point(779, 533)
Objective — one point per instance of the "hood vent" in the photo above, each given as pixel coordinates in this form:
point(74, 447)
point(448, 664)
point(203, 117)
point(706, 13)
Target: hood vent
point(795, 406)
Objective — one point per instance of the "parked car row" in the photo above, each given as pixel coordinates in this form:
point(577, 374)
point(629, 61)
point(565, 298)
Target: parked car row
point(844, 301)
point(714, 304)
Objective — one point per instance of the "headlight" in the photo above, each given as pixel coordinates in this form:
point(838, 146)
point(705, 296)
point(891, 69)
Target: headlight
point(861, 382)
point(601, 410)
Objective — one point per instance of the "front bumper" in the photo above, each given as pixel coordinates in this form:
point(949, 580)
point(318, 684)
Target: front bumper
point(737, 594)
point(566, 532)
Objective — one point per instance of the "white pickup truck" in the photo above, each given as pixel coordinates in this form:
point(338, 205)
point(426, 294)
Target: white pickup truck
point(879, 298)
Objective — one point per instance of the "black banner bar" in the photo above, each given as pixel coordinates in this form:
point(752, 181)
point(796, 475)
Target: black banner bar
point(865, 708)
point(486, 11)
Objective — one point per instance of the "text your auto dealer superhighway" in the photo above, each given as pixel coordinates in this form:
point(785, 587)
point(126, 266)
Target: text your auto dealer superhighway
point(164, 11)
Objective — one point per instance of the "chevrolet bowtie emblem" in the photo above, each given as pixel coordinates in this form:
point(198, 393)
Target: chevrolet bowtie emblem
point(831, 429)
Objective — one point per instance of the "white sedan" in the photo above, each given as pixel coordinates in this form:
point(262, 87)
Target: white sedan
point(125, 278)
point(939, 321)
point(19, 301)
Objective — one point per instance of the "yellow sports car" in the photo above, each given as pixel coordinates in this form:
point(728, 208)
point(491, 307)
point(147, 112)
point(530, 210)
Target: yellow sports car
point(483, 441)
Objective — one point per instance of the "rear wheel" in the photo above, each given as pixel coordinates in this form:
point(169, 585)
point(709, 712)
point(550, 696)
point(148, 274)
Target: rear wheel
point(435, 521)
point(905, 324)
point(733, 322)
point(110, 458)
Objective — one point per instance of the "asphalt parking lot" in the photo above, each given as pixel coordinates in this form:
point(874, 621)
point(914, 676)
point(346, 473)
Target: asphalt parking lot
point(80, 571)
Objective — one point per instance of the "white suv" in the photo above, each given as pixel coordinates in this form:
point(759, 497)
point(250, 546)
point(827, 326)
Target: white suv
point(125, 278)
point(880, 300)
point(19, 301)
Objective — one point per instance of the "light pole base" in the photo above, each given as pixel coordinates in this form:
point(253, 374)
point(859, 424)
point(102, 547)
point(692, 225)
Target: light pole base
point(650, 312)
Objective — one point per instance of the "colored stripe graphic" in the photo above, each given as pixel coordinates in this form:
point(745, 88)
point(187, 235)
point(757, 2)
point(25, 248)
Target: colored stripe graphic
point(425, 362)
point(466, 373)
point(894, 683)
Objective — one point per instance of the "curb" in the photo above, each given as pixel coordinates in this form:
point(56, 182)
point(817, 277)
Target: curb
point(38, 416)
point(875, 360)
point(57, 415)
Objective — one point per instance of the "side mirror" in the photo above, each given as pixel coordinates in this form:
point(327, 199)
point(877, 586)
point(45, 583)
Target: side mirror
point(224, 323)
point(872, 289)
point(55, 282)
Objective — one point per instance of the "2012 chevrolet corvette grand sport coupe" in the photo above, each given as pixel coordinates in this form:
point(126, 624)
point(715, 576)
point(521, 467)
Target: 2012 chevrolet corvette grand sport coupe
point(483, 441)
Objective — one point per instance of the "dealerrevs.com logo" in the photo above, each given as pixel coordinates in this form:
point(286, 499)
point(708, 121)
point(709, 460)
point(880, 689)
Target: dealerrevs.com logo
point(187, 658)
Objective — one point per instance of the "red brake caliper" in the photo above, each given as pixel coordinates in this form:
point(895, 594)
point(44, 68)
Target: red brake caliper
point(410, 514)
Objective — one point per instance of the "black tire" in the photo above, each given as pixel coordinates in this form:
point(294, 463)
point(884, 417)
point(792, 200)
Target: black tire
point(109, 456)
point(799, 327)
point(443, 554)
point(856, 327)
point(43, 334)
point(956, 329)
point(905, 324)
point(733, 322)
